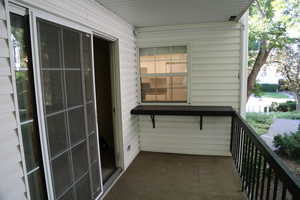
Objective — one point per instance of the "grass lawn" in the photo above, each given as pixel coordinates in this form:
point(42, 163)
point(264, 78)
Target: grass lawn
point(261, 122)
point(274, 95)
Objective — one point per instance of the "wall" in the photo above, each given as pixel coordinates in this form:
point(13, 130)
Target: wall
point(214, 65)
point(11, 171)
point(84, 12)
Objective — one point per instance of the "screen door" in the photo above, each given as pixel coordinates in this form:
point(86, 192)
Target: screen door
point(69, 111)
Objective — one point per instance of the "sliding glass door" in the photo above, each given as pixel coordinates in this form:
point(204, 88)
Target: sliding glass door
point(69, 111)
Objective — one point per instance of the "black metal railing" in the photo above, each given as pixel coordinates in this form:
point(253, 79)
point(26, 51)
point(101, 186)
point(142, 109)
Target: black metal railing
point(263, 175)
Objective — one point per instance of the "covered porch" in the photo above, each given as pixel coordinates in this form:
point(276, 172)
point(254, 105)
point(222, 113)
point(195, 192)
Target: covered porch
point(166, 176)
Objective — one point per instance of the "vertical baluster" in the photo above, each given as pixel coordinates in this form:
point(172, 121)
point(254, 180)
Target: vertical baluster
point(244, 158)
point(244, 186)
point(262, 189)
point(251, 168)
point(238, 145)
point(253, 174)
point(241, 150)
point(232, 133)
point(258, 176)
point(275, 187)
point(269, 175)
point(283, 194)
point(248, 165)
point(233, 140)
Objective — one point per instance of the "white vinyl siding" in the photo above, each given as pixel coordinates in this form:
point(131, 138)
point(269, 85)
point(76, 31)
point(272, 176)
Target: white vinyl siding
point(92, 15)
point(215, 55)
point(11, 172)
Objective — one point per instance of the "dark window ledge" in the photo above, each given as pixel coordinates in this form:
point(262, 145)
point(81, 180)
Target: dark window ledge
point(183, 110)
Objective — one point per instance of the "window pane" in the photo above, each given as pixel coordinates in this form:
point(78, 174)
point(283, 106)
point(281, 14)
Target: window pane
point(25, 94)
point(80, 161)
point(74, 88)
point(52, 83)
point(89, 85)
point(49, 37)
point(37, 185)
point(71, 47)
point(61, 173)
point(164, 88)
point(93, 147)
point(57, 133)
point(91, 117)
point(83, 189)
point(31, 145)
point(176, 67)
point(86, 48)
point(163, 53)
point(163, 74)
point(96, 179)
point(147, 67)
point(76, 124)
point(20, 42)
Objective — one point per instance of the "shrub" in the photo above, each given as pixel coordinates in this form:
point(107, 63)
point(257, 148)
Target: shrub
point(287, 115)
point(288, 145)
point(269, 87)
point(287, 106)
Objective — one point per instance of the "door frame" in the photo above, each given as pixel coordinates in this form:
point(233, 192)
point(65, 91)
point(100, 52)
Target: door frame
point(116, 94)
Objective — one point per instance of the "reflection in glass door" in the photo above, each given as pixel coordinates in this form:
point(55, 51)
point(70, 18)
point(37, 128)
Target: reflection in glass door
point(22, 65)
point(69, 110)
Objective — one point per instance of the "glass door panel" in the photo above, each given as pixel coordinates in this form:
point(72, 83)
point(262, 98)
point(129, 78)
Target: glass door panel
point(65, 60)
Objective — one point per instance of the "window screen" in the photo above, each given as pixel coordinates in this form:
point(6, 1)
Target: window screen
point(66, 69)
point(163, 74)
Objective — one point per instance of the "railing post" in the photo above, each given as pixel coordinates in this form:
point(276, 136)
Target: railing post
point(232, 130)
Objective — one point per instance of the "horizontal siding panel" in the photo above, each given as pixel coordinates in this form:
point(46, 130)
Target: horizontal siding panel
point(208, 48)
point(213, 54)
point(4, 67)
point(214, 67)
point(215, 60)
point(2, 11)
point(209, 86)
point(219, 73)
point(230, 80)
point(218, 93)
point(6, 104)
point(4, 53)
point(3, 30)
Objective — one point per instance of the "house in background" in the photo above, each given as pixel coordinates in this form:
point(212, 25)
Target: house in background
point(87, 87)
point(269, 74)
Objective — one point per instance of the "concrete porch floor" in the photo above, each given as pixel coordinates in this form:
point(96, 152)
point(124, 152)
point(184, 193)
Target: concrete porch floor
point(161, 176)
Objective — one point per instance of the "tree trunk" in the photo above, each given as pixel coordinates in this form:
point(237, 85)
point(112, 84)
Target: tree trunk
point(260, 60)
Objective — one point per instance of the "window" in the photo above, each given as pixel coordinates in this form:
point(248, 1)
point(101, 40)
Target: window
point(26, 106)
point(163, 73)
point(66, 74)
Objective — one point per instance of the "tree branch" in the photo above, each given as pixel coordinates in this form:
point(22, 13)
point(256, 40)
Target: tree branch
point(263, 15)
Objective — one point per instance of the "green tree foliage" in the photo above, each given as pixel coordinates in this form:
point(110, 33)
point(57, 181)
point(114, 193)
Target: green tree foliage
point(270, 25)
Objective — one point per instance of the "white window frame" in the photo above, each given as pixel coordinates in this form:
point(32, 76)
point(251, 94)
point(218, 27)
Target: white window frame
point(188, 74)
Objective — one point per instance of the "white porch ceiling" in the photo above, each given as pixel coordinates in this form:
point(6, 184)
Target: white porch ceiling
point(142, 13)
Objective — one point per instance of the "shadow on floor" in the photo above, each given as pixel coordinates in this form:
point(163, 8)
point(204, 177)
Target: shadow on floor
point(161, 176)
